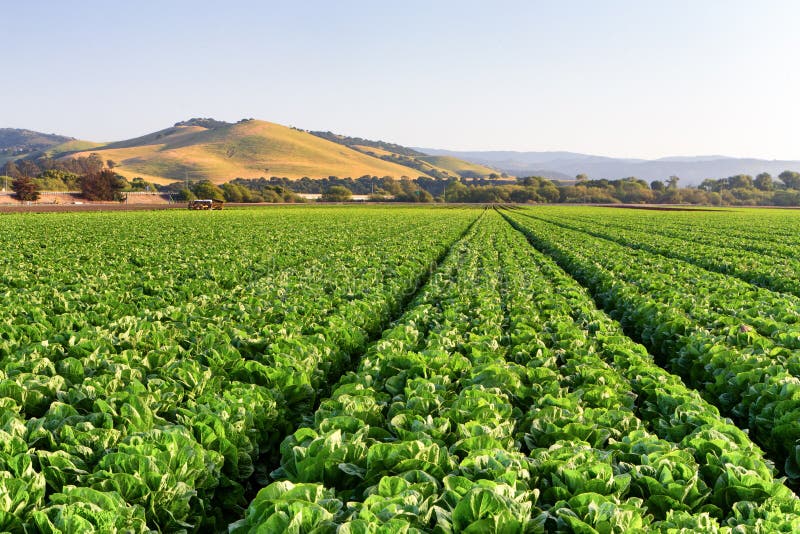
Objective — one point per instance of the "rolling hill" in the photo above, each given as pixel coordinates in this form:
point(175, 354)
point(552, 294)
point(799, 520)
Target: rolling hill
point(17, 143)
point(446, 166)
point(221, 151)
point(692, 170)
point(218, 151)
point(460, 167)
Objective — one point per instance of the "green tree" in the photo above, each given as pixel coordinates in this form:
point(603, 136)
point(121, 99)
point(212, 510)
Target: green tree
point(424, 196)
point(185, 194)
point(25, 189)
point(709, 184)
point(672, 183)
point(657, 185)
point(633, 190)
point(790, 179)
point(140, 184)
point(207, 190)
point(456, 191)
point(740, 181)
point(521, 195)
point(764, 182)
point(548, 191)
point(58, 180)
point(233, 192)
point(336, 193)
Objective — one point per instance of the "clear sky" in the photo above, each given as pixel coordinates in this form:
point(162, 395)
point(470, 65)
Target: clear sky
point(639, 78)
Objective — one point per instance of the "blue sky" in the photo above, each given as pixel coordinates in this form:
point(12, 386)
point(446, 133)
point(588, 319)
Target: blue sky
point(619, 78)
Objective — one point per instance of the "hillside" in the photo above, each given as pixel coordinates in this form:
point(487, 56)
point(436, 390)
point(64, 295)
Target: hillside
point(460, 167)
point(218, 151)
point(692, 170)
point(16, 143)
point(416, 161)
point(73, 145)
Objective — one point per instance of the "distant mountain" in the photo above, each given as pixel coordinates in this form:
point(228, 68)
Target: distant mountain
point(565, 165)
point(443, 167)
point(16, 143)
point(366, 143)
point(219, 151)
point(28, 140)
point(204, 148)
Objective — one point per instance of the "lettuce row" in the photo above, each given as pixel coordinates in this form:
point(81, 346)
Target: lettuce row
point(768, 233)
point(747, 383)
point(531, 428)
point(389, 442)
point(162, 409)
point(763, 268)
point(722, 458)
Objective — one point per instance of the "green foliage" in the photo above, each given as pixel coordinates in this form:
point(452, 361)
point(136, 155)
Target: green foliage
point(729, 338)
point(790, 179)
point(336, 193)
point(140, 184)
point(407, 370)
point(510, 404)
point(206, 189)
point(185, 194)
point(148, 374)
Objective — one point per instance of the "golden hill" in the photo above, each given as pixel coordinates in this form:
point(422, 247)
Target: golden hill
point(248, 149)
point(459, 166)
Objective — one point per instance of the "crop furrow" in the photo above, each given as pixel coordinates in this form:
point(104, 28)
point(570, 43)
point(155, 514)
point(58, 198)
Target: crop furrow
point(774, 275)
point(190, 421)
point(744, 381)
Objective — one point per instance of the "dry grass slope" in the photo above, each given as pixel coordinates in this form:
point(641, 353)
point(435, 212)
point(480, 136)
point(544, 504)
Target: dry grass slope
point(248, 149)
point(447, 165)
point(459, 166)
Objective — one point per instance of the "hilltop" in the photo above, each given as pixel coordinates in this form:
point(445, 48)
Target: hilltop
point(220, 151)
point(204, 148)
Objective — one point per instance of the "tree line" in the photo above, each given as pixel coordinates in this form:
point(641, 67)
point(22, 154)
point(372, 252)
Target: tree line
point(97, 180)
point(738, 190)
point(93, 177)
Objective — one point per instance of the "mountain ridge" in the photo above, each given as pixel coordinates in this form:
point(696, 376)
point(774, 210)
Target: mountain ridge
point(200, 149)
point(205, 148)
point(16, 143)
point(692, 170)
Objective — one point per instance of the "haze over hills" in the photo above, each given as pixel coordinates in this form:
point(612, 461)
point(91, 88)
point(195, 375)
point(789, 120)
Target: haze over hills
point(443, 167)
point(221, 151)
point(692, 170)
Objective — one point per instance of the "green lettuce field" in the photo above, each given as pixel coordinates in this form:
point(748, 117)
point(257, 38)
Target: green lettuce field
point(360, 370)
